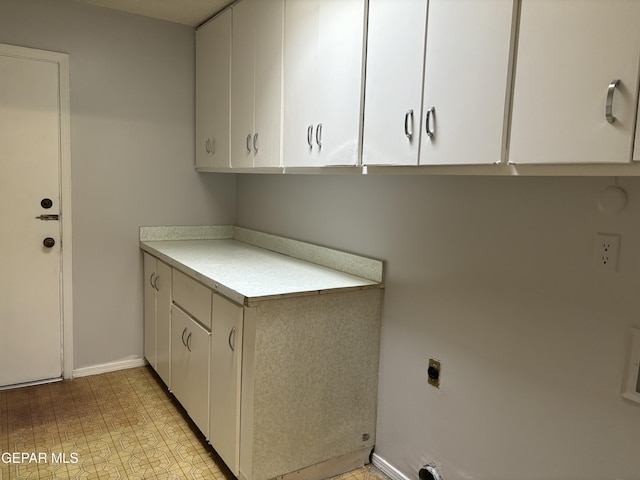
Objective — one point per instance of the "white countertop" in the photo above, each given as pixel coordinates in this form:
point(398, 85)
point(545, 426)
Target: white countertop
point(246, 273)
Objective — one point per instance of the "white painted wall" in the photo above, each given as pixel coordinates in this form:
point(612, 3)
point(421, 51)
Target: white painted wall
point(494, 277)
point(132, 149)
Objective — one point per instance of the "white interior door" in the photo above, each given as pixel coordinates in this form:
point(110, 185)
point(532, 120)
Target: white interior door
point(30, 284)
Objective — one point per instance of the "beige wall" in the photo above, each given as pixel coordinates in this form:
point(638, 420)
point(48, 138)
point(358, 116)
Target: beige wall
point(493, 277)
point(132, 141)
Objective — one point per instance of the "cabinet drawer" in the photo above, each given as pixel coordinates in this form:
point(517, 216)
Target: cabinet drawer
point(193, 297)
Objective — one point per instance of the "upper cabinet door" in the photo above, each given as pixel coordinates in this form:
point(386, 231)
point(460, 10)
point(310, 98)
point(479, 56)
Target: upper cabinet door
point(323, 65)
point(393, 92)
point(268, 82)
point(242, 84)
point(466, 81)
point(570, 53)
point(256, 91)
point(213, 57)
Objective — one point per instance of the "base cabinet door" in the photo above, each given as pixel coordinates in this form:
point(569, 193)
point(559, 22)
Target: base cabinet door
point(157, 310)
point(226, 362)
point(190, 345)
point(573, 59)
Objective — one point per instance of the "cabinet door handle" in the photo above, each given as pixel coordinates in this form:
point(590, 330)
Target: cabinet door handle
point(608, 113)
point(255, 143)
point(183, 340)
point(249, 143)
point(151, 280)
point(310, 135)
point(207, 145)
point(213, 146)
point(189, 341)
point(155, 283)
point(233, 330)
point(319, 135)
point(408, 129)
point(431, 113)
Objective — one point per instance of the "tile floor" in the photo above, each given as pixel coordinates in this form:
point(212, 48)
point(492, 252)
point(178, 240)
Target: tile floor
point(119, 425)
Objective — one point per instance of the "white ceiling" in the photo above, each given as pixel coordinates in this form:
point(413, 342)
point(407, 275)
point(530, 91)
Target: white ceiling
point(187, 12)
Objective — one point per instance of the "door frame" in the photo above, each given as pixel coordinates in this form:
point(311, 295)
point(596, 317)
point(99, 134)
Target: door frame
point(64, 166)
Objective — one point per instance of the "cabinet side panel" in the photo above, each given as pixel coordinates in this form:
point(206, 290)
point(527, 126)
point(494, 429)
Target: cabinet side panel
point(247, 395)
point(315, 379)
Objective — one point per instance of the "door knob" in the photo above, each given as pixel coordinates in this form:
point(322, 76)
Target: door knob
point(46, 203)
point(48, 242)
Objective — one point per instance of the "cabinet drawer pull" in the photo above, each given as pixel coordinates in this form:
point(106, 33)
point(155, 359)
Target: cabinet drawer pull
point(151, 280)
point(310, 135)
point(188, 344)
point(431, 113)
point(249, 143)
point(408, 129)
point(255, 143)
point(319, 135)
point(608, 113)
point(233, 330)
point(183, 340)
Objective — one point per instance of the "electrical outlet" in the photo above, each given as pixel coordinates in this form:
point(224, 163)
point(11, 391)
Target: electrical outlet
point(606, 252)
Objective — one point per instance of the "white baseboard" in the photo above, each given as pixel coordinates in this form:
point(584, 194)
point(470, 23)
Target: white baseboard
point(389, 470)
point(109, 367)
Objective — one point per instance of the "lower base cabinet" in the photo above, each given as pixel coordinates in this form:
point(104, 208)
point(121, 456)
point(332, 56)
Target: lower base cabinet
point(283, 386)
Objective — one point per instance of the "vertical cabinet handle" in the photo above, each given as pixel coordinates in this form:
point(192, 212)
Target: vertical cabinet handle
point(233, 330)
point(183, 340)
point(431, 113)
point(207, 145)
point(255, 143)
point(155, 283)
point(151, 278)
point(212, 145)
point(408, 127)
point(608, 113)
point(188, 343)
point(249, 143)
point(319, 135)
point(310, 135)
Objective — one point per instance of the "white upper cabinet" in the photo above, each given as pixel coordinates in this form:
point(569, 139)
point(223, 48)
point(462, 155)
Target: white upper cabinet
point(323, 65)
point(256, 88)
point(393, 91)
point(213, 57)
point(466, 81)
point(570, 53)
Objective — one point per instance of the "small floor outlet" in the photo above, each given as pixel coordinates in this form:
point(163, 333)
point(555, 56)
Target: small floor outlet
point(606, 252)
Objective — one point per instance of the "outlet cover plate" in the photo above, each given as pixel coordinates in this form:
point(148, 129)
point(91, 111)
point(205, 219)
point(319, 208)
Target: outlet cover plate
point(606, 252)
